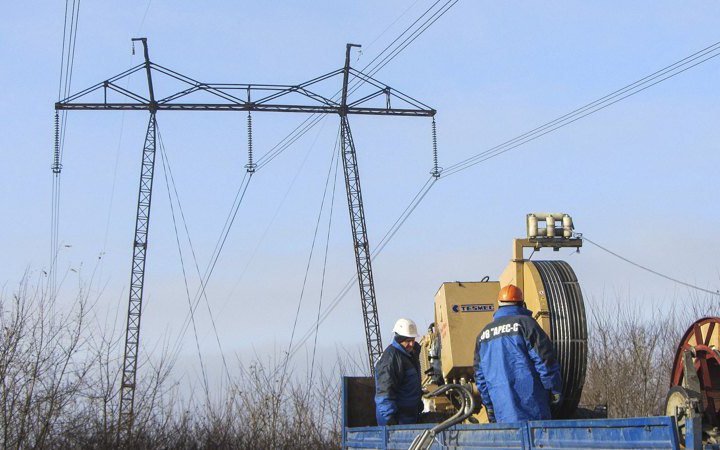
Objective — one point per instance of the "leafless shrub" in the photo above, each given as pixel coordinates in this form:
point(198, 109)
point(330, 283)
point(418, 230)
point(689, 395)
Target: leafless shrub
point(631, 351)
point(59, 377)
point(41, 368)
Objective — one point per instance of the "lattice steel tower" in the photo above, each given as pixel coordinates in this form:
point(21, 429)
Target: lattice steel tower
point(239, 97)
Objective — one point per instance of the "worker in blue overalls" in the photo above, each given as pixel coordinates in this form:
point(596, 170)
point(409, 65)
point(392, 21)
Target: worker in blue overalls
point(516, 370)
point(398, 395)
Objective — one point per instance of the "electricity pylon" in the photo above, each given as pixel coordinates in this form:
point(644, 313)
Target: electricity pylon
point(228, 98)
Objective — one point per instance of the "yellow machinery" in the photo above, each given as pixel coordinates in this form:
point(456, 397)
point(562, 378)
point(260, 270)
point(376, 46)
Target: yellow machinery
point(552, 293)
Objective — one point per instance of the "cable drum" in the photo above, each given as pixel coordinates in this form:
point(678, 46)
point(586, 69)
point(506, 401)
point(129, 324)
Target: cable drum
point(568, 330)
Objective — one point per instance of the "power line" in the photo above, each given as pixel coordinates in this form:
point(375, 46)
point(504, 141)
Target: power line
point(312, 250)
point(67, 62)
point(299, 131)
point(644, 83)
point(414, 35)
point(258, 242)
point(311, 121)
point(325, 258)
point(629, 90)
point(409, 209)
point(192, 308)
point(654, 272)
point(232, 214)
point(166, 168)
point(392, 24)
point(384, 59)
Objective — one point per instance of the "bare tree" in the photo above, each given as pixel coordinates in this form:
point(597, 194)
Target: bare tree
point(631, 351)
point(41, 364)
point(59, 376)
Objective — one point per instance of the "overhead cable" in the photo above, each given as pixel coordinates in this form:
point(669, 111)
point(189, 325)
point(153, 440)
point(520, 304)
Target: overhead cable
point(222, 238)
point(405, 31)
point(633, 88)
point(170, 187)
point(299, 131)
point(312, 251)
point(654, 272)
point(419, 196)
point(644, 83)
point(391, 24)
point(390, 52)
point(67, 61)
point(258, 242)
point(325, 259)
point(412, 36)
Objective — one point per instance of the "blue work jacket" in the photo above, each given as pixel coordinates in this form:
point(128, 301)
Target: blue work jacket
point(398, 394)
point(516, 369)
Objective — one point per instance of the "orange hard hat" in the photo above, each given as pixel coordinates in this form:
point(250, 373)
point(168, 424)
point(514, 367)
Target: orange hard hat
point(510, 293)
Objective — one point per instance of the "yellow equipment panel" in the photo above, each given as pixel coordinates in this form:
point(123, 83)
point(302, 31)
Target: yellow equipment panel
point(533, 290)
point(462, 309)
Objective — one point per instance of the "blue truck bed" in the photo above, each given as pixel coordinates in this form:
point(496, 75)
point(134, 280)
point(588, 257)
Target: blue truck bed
point(636, 433)
point(658, 432)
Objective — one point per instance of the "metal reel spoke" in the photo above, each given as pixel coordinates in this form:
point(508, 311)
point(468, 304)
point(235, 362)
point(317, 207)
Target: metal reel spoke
point(698, 354)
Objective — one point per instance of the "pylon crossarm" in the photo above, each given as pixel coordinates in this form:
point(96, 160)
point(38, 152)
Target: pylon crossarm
point(226, 94)
point(392, 92)
point(100, 85)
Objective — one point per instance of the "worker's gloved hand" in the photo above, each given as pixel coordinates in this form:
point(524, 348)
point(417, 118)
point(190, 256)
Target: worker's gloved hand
point(555, 398)
point(392, 421)
point(490, 414)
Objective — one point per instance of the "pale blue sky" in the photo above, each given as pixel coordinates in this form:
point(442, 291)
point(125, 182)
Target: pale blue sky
point(638, 177)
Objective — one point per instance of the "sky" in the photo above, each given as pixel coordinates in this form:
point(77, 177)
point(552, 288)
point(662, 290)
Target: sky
point(638, 177)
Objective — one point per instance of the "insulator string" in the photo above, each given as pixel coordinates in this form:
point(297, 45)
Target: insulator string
point(436, 170)
point(250, 165)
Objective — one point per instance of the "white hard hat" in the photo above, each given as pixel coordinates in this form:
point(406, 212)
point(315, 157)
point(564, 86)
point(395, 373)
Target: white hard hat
point(406, 327)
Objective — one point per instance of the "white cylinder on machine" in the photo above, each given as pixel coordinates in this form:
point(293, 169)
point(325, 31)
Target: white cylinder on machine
point(532, 224)
point(567, 226)
point(563, 221)
point(550, 227)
